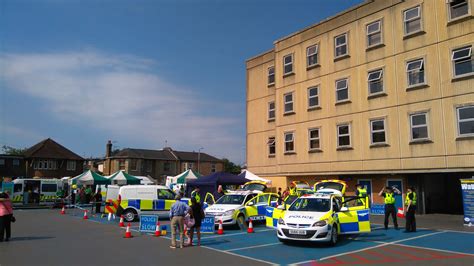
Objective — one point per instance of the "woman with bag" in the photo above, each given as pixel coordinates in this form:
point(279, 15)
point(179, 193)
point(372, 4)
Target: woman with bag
point(197, 214)
point(6, 216)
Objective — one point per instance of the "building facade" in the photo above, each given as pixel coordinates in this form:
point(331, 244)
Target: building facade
point(159, 163)
point(381, 94)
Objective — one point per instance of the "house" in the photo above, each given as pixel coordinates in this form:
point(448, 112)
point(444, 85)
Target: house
point(11, 166)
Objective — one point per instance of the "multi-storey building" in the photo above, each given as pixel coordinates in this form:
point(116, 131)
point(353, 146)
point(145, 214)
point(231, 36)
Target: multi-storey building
point(381, 94)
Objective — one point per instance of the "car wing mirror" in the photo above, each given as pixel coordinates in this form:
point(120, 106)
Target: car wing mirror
point(344, 209)
point(281, 207)
point(250, 203)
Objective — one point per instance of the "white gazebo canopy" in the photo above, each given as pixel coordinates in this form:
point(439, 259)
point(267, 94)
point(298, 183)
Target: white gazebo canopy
point(251, 176)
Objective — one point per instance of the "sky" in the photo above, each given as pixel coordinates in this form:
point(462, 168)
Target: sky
point(144, 74)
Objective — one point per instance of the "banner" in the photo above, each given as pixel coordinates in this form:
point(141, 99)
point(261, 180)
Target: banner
point(467, 187)
point(377, 209)
point(208, 225)
point(148, 223)
point(8, 187)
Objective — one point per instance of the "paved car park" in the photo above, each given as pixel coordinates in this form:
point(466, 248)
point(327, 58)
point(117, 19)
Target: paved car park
point(52, 239)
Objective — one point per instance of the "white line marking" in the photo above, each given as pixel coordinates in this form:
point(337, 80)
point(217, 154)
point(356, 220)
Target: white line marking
point(238, 255)
point(234, 234)
point(258, 246)
point(433, 229)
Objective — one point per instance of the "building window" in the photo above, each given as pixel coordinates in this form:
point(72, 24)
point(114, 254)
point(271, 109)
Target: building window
point(377, 131)
point(344, 136)
point(16, 162)
point(416, 72)
point(419, 126)
point(71, 165)
point(121, 164)
point(271, 111)
point(188, 166)
point(458, 8)
point(167, 167)
point(374, 33)
point(2, 162)
point(314, 139)
point(375, 81)
point(288, 64)
point(313, 97)
point(412, 20)
point(465, 116)
point(213, 168)
point(271, 146)
point(271, 76)
point(342, 90)
point(289, 142)
point(149, 166)
point(45, 165)
point(288, 102)
point(133, 165)
point(463, 61)
point(340, 45)
point(312, 56)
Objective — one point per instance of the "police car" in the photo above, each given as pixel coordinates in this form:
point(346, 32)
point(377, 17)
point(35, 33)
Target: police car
point(321, 217)
point(238, 207)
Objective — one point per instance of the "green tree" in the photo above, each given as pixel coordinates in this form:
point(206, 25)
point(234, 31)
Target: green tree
point(230, 167)
point(12, 151)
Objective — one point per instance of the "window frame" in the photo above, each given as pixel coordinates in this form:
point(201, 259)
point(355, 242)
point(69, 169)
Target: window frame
point(371, 121)
point(290, 63)
point(68, 168)
point(311, 97)
point(427, 124)
point(316, 53)
point(368, 35)
point(470, 46)
point(292, 133)
point(408, 72)
point(16, 164)
point(450, 17)
point(270, 110)
point(268, 76)
point(344, 135)
point(346, 34)
point(379, 79)
point(458, 120)
point(292, 111)
point(2, 162)
point(271, 142)
point(346, 87)
point(420, 17)
point(310, 139)
point(213, 167)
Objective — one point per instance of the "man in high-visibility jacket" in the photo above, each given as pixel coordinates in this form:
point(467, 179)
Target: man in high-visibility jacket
point(195, 194)
point(361, 192)
point(410, 203)
point(388, 193)
point(292, 189)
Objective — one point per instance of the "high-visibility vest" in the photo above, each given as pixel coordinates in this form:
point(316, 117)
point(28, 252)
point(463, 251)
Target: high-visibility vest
point(196, 195)
point(407, 199)
point(389, 198)
point(362, 192)
point(292, 191)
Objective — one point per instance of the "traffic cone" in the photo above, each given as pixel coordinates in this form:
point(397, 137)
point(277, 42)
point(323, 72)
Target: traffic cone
point(220, 231)
point(63, 210)
point(128, 234)
point(250, 229)
point(121, 224)
point(85, 215)
point(157, 230)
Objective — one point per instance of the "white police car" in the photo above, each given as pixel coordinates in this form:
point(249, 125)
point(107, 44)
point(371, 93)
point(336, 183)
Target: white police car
point(321, 218)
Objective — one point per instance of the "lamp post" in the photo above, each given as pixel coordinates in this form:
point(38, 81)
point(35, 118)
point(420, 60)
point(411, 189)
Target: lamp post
point(199, 160)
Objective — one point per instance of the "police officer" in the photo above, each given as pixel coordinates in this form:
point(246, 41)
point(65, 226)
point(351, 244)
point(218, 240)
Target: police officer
point(410, 203)
point(362, 193)
point(389, 198)
point(195, 194)
point(292, 189)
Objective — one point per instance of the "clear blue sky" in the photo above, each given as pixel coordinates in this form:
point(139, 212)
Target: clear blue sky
point(144, 74)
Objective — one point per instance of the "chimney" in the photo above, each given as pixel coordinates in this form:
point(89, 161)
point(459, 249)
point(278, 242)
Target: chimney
point(108, 150)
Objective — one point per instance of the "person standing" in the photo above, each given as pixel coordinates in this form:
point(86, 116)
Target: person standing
point(410, 203)
point(177, 213)
point(6, 217)
point(361, 192)
point(218, 194)
point(197, 214)
point(195, 194)
point(98, 201)
point(36, 195)
point(389, 199)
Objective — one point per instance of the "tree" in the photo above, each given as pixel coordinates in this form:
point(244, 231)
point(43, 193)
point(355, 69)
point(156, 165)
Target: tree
point(230, 167)
point(13, 151)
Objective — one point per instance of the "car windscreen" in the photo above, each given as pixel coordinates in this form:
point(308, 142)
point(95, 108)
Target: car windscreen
point(290, 199)
point(311, 205)
point(231, 199)
point(258, 187)
point(332, 185)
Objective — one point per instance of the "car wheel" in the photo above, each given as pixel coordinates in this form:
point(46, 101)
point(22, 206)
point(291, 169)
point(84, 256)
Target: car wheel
point(333, 240)
point(241, 222)
point(129, 215)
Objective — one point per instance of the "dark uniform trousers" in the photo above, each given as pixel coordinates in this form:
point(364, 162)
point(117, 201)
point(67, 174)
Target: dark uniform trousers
point(5, 226)
point(390, 209)
point(410, 219)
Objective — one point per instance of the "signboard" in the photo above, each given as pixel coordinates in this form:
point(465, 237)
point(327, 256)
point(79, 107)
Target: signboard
point(8, 187)
point(467, 187)
point(377, 209)
point(208, 225)
point(148, 223)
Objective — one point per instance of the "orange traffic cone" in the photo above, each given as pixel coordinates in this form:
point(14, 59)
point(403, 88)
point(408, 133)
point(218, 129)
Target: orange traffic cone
point(128, 234)
point(220, 231)
point(85, 215)
point(63, 210)
point(157, 230)
point(250, 229)
point(121, 224)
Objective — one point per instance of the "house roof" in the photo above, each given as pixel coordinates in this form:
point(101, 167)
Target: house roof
point(50, 149)
point(193, 156)
point(165, 154)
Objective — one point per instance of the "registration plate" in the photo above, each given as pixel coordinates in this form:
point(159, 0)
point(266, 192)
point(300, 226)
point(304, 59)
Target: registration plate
point(297, 232)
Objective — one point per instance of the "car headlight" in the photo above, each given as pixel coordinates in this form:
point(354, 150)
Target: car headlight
point(320, 223)
point(228, 213)
point(280, 221)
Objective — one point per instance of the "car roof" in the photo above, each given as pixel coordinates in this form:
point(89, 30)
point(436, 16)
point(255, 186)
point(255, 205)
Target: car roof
point(143, 186)
point(241, 192)
point(319, 196)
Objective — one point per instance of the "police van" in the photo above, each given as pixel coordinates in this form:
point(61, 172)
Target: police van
point(238, 207)
point(319, 217)
point(133, 200)
point(35, 191)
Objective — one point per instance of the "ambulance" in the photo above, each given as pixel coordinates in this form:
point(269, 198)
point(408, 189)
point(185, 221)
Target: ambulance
point(238, 207)
point(320, 217)
point(47, 189)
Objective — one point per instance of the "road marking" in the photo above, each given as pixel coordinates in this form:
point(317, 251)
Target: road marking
point(433, 229)
point(258, 246)
point(238, 255)
point(234, 234)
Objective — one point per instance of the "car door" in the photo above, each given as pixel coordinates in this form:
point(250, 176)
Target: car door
point(256, 207)
point(352, 218)
point(209, 199)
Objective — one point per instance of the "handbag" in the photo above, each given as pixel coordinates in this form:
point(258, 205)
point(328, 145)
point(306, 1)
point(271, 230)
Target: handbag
point(13, 219)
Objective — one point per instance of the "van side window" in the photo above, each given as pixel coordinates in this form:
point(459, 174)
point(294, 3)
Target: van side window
point(17, 188)
point(165, 194)
point(49, 187)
